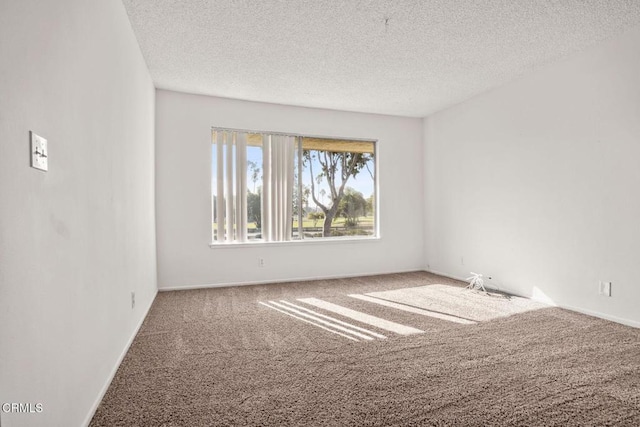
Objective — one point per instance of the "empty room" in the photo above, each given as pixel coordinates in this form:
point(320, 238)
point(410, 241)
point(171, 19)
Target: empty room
point(319, 213)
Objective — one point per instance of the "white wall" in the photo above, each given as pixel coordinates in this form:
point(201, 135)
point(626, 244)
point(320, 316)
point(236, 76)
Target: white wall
point(537, 183)
point(183, 194)
point(76, 240)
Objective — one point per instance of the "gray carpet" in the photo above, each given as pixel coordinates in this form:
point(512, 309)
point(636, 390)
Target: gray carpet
point(219, 357)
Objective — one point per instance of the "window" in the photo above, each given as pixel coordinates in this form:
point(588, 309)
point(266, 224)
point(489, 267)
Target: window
point(270, 187)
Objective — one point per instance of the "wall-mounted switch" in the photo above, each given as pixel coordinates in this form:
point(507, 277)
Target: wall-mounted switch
point(39, 152)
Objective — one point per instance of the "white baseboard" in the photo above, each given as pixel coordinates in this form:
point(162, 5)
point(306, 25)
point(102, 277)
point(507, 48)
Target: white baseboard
point(448, 276)
point(283, 280)
point(491, 286)
point(107, 383)
point(616, 319)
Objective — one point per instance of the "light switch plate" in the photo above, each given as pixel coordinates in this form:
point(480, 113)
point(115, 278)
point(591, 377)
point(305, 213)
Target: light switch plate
point(605, 289)
point(39, 152)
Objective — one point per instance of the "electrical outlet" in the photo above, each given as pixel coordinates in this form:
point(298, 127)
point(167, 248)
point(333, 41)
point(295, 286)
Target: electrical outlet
point(39, 152)
point(489, 283)
point(133, 300)
point(605, 289)
point(261, 262)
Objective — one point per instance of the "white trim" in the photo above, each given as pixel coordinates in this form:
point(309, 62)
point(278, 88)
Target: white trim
point(489, 286)
point(314, 241)
point(281, 280)
point(621, 320)
point(448, 276)
point(112, 375)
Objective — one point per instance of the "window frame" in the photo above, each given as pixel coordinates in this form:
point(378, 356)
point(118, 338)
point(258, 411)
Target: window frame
point(302, 241)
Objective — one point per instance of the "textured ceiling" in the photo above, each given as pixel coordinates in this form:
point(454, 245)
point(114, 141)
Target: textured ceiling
point(397, 57)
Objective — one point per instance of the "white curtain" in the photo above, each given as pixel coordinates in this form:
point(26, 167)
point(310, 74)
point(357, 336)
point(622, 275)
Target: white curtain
point(277, 191)
point(231, 186)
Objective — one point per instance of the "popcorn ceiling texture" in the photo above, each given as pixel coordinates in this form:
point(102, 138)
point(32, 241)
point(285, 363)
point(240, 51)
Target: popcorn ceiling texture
point(408, 58)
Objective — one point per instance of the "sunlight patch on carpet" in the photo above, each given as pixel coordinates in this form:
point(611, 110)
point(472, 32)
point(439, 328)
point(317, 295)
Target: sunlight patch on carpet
point(340, 322)
point(458, 302)
point(414, 310)
point(327, 323)
point(362, 317)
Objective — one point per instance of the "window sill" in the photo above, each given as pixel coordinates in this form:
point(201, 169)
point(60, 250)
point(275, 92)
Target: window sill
point(311, 242)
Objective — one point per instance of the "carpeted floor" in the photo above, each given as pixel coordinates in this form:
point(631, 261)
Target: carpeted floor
point(261, 355)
